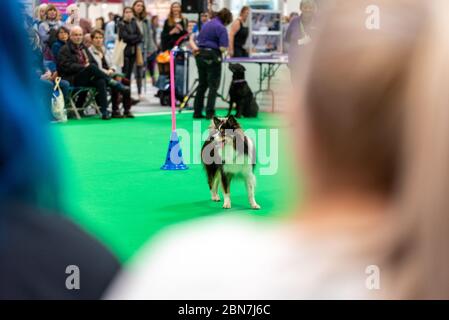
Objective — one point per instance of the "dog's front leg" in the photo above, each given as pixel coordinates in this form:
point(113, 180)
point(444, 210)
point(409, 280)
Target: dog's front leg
point(251, 189)
point(214, 188)
point(226, 185)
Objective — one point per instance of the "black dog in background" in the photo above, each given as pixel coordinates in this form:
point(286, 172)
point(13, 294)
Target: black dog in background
point(241, 95)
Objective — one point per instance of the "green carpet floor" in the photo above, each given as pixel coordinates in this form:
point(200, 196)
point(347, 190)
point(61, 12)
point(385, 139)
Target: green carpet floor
point(115, 189)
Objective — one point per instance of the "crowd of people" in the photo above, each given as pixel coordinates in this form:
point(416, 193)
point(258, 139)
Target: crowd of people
point(372, 149)
point(82, 55)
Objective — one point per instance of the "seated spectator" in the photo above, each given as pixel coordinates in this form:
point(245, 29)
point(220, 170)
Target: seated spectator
point(47, 78)
point(98, 51)
point(40, 249)
point(48, 34)
point(77, 65)
point(62, 38)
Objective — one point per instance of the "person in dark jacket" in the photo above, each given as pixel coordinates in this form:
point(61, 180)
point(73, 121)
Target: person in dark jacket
point(43, 255)
point(63, 37)
point(77, 65)
point(239, 34)
point(130, 33)
point(175, 27)
point(148, 45)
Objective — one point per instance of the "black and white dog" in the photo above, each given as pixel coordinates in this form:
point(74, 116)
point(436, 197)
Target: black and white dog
point(228, 154)
point(240, 94)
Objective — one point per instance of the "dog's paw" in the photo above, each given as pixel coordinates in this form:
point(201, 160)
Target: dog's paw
point(227, 205)
point(216, 198)
point(255, 206)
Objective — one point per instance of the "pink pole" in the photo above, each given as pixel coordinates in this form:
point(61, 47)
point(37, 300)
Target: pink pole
point(172, 89)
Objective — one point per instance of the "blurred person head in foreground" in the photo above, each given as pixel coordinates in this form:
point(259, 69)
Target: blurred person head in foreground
point(37, 245)
point(372, 142)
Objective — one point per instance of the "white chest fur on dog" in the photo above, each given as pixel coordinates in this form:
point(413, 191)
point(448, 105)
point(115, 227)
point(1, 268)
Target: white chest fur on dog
point(238, 164)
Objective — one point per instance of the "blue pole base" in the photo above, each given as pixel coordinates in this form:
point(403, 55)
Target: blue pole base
point(174, 160)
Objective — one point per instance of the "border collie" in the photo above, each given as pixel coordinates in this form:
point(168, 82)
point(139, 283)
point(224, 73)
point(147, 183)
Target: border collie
point(229, 154)
point(240, 94)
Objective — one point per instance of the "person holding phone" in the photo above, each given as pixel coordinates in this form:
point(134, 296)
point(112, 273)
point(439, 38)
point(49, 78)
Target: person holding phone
point(175, 27)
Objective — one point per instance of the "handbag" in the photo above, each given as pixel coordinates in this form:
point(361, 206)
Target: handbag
point(118, 56)
point(57, 103)
point(139, 57)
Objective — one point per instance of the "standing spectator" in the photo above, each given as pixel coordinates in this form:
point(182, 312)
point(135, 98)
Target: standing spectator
point(212, 42)
point(299, 32)
point(78, 66)
point(47, 33)
point(39, 15)
point(151, 62)
point(62, 38)
point(74, 19)
point(100, 24)
point(130, 33)
point(147, 46)
point(193, 37)
point(98, 51)
point(239, 34)
point(110, 31)
point(175, 27)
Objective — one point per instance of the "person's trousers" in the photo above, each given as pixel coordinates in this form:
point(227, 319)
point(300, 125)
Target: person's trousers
point(209, 76)
point(94, 77)
point(128, 68)
point(115, 98)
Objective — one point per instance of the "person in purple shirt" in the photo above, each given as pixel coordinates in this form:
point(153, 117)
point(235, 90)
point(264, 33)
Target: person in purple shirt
point(213, 40)
point(300, 30)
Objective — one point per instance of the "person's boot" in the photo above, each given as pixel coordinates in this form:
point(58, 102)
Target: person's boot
point(128, 114)
point(117, 115)
point(127, 103)
point(106, 116)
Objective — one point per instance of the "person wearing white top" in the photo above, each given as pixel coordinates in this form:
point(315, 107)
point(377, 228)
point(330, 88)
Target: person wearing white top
point(370, 134)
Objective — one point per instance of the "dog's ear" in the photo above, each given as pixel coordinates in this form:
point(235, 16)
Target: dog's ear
point(232, 122)
point(217, 122)
point(232, 67)
point(241, 68)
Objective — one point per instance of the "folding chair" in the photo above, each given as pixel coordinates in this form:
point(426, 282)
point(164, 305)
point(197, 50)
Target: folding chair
point(75, 93)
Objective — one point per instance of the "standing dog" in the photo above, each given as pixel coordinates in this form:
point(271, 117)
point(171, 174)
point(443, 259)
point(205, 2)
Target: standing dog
point(228, 154)
point(241, 94)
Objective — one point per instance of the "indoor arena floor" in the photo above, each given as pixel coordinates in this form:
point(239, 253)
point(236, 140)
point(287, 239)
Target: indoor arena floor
point(113, 185)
